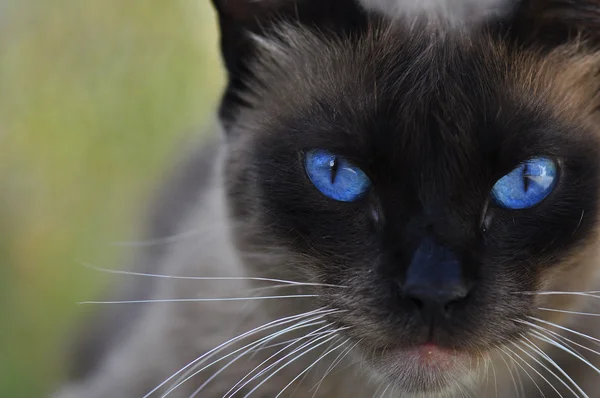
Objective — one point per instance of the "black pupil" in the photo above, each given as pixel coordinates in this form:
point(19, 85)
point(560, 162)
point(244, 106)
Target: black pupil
point(334, 164)
point(526, 179)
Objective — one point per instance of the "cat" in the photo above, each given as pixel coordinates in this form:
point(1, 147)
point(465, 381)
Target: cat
point(396, 207)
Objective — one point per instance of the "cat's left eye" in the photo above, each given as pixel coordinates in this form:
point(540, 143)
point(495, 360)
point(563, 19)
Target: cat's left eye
point(527, 185)
point(335, 176)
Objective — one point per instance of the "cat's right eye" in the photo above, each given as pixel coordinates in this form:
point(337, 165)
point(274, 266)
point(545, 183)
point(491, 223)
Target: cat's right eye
point(335, 176)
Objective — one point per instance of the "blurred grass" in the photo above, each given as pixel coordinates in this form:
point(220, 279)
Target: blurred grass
point(94, 98)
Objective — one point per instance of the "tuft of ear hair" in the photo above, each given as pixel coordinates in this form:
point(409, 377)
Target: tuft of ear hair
point(549, 23)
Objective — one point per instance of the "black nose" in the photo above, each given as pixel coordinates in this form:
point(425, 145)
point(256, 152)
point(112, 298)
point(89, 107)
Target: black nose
point(433, 301)
point(434, 280)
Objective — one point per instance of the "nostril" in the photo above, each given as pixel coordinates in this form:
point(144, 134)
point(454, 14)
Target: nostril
point(435, 299)
point(448, 306)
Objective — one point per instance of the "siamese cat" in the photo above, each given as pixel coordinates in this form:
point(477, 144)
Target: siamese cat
point(403, 203)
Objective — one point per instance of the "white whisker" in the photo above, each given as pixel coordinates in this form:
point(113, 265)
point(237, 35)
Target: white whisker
point(521, 388)
point(263, 347)
point(198, 299)
point(511, 375)
point(536, 371)
point(335, 362)
point(521, 366)
point(238, 386)
point(579, 223)
point(193, 371)
point(534, 347)
point(207, 278)
point(294, 359)
point(185, 377)
point(385, 390)
point(232, 391)
point(310, 367)
point(593, 294)
point(565, 329)
point(495, 379)
point(562, 338)
point(563, 348)
point(277, 322)
point(546, 368)
point(568, 312)
point(271, 337)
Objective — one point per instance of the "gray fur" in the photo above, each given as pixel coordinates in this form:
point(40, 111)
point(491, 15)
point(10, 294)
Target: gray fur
point(448, 12)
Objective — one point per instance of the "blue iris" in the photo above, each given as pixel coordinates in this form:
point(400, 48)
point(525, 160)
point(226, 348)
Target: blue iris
point(527, 185)
point(335, 177)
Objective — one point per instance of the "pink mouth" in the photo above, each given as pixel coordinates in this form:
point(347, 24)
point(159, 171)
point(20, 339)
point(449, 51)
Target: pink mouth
point(433, 357)
point(429, 368)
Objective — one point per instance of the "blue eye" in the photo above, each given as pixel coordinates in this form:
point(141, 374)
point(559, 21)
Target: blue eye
point(335, 177)
point(527, 185)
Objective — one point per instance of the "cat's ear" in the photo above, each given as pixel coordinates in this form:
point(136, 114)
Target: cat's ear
point(238, 19)
point(554, 22)
point(242, 21)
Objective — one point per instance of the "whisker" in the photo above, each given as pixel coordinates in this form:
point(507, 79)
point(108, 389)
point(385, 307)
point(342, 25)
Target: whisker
point(537, 349)
point(222, 369)
point(565, 329)
point(562, 338)
point(279, 286)
point(232, 391)
point(270, 337)
point(238, 386)
point(263, 347)
point(521, 388)
point(310, 367)
point(539, 374)
point(335, 362)
point(546, 368)
point(385, 390)
point(486, 371)
point(277, 322)
point(198, 299)
point(521, 366)
point(511, 376)
point(294, 359)
point(568, 312)
point(495, 378)
point(562, 347)
point(206, 278)
point(593, 294)
point(579, 223)
point(299, 383)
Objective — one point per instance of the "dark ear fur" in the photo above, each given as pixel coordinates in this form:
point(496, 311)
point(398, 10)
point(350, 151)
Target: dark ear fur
point(549, 23)
point(238, 19)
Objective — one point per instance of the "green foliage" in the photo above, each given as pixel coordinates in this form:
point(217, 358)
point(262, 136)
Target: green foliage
point(95, 97)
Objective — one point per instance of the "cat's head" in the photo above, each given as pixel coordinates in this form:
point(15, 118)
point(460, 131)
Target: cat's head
point(438, 177)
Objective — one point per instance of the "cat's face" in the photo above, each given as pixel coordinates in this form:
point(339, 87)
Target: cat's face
point(432, 251)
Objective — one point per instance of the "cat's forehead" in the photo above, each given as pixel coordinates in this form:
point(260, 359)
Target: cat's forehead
point(414, 69)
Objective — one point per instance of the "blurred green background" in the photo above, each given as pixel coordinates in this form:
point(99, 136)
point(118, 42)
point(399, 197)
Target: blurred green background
point(95, 99)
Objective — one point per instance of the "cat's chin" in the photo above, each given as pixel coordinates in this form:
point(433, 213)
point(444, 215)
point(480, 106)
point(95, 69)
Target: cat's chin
point(428, 370)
